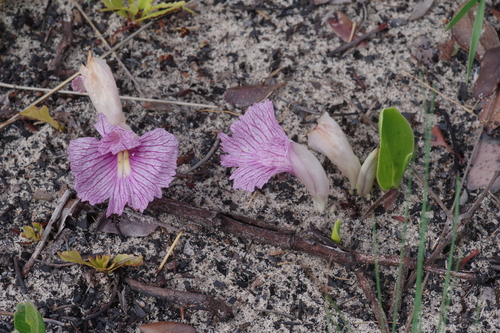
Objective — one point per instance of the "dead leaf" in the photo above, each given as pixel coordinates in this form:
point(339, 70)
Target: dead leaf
point(496, 13)
point(489, 77)
point(342, 27)
point(462, 31)
point(492, 121)
point(438, 140)
point(167, 327)
point(420, 9)
point(128, 226)
point(384, 201)
point(423, 52)
point(485, 164)
point(447, 50)
point(248, 95)
point(41, 114)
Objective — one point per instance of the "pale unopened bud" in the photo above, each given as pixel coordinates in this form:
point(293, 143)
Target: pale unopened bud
point(101, 87)
point(309, 171)
point(367, 174)
point(329, 139)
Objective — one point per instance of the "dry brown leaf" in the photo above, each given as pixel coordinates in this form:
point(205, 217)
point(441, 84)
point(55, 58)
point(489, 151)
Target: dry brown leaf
point(485, 164)
point(493, 120)
point(248, 95)
point(167, 327)
point(462, 31)
point(342, 27)
point(129, 226)
point(438, 140)
point(446, 50)
point(488, 79)
point(420, 9)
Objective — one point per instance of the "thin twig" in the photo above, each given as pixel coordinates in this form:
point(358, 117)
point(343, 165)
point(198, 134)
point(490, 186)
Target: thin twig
point(44, 97)
point(301, 108)
point(129, 98)
point(439, 93)
point(19, 276)
point(361, 113)
point(98, 33)
point(108, 305)
point(55, 216)
point(357, 40)
point(47, 320)
point(206, 158)
point(169, 252)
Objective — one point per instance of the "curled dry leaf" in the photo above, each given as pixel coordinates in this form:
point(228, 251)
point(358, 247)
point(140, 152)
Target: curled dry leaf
point(438, 140)
point(420, 9)
point(488, 79)
point(447, 50)
point(248, 95)
point(167, 327)
point(491, 120)
point(342, 27)
point(485, 164)
point(462, 32)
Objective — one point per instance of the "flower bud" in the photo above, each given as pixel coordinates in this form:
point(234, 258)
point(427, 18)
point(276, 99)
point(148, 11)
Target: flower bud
point(309, 171)
point(329, 139)
point(367, 174)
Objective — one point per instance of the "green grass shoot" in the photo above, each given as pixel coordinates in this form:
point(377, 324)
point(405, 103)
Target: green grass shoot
point(476, 29)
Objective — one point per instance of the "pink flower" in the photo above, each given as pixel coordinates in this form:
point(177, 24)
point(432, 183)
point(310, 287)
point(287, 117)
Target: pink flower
point(121, 167)
point(260, 149)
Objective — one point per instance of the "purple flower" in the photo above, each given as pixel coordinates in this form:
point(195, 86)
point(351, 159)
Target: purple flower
point(260, 149)
point(122, 167)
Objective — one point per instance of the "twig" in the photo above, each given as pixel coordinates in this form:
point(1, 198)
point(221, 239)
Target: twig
point(301, 108)
point(279, 313)
point(136, 84)
point(169, 252)
point(47, 320)
point(19, 276)
point(287, 239)
point(55, 215)
point(439, 93)
point(372, 298)
point(65, 42)
point(357, 40)
point(182, 298)
point(206, 158)
point(361, 113)
point(50, 264)
point(108, 305)
point(44, 97)
point(129, 98)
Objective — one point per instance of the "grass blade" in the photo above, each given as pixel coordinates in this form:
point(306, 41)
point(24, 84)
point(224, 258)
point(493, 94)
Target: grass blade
point(476, 34)
point(461, 13)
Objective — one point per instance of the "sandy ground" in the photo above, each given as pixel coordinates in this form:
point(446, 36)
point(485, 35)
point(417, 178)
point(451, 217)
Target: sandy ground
point(237, 46)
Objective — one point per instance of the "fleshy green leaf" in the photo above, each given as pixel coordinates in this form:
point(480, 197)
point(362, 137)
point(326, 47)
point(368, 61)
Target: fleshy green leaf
point(41, 114)
point(336, 232)
point(396, 148)
point(27, 319)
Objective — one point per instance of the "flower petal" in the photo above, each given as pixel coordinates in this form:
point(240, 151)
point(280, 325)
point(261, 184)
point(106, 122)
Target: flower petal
point(309, 171)
point(114, 138)
point(152, 166)
point(101, 87)
point(259, 148)
point(78, 84)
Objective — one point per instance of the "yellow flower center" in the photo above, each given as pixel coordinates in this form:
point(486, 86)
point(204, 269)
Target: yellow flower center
point(123, 164)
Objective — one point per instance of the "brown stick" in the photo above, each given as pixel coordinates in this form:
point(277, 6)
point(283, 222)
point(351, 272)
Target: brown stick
point(287, 239)
point(182, 298)
point(366, 285)
point(357, 40)
point(64, 44)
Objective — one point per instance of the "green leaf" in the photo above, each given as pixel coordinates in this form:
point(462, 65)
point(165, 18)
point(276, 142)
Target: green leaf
point(41, 114)
point(27, 319)
point(33, 233)
point(396, 148)
point(461, 13)
point(476, 34)
point(336, 232)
